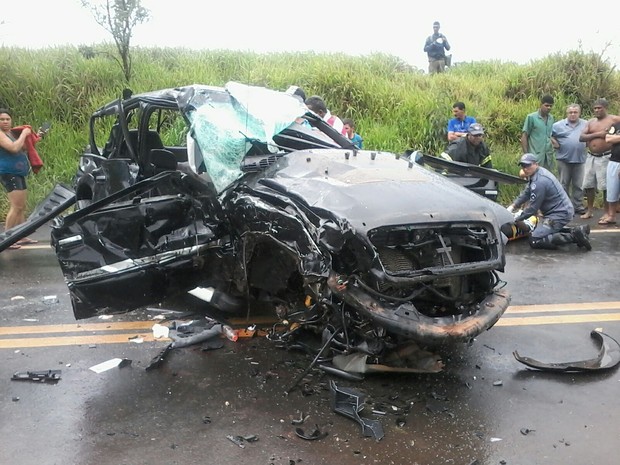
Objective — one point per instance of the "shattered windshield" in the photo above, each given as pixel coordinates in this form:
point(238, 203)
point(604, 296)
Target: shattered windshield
point(225, 129)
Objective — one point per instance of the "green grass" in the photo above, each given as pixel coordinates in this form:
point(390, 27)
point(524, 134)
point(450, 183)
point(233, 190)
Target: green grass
point(396, 107)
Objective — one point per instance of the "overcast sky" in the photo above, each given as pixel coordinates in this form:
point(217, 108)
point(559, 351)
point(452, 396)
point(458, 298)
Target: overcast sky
point(477, 30)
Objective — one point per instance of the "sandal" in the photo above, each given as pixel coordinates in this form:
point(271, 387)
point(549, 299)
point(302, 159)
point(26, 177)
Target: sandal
point(14, 247)
point(27, 241)
point(606, 221)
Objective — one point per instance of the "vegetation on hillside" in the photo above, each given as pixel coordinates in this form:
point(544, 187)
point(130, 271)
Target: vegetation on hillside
point(395, 106)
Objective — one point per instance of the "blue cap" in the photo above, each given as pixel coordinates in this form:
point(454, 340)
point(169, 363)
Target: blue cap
point(528, 159)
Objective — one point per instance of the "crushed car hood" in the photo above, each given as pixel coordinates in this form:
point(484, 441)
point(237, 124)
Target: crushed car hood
point(372, 189)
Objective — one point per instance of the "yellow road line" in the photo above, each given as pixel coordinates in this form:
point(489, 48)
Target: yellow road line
point(599, 231)
point(554, 314)
point(558, 319)
point(571, 307)
point(70, 328)
point(72, 340)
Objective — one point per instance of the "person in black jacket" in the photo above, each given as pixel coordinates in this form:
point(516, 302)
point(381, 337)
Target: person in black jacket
point(471, 149)
point(435, 47)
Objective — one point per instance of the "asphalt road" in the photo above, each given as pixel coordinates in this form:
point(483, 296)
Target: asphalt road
point(483, 408)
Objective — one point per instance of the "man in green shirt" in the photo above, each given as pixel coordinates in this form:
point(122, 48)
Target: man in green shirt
point(536, 133)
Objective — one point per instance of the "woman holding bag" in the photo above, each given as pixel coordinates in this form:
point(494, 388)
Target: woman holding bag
point(14, 168)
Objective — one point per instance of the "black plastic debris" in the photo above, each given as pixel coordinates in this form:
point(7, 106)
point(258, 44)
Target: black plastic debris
point(212, 344)
point(197, 338)
point(46, 376)
point(241, 440)
point(608, 357)
point(435, 407)
point(314, 435)
point(159, 358)
point(341, 373)
point(526, 431)
point(300, 420)
point(349, 403)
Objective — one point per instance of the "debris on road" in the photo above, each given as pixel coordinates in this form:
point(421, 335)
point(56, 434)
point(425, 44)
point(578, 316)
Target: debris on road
point(409, 359)
point(314, 435)
point(349, 403)
point(159, 358)
point(160, 331)
point(608, 357)
point(109, 364)
point(300, 420)
point(241, 440)
point(46, 376)
point(185, 341)
point(50, 299)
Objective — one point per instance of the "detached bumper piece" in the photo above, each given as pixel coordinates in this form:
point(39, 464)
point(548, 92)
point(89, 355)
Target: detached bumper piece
point(47, 376)
point(349, 403)
point(608, 357)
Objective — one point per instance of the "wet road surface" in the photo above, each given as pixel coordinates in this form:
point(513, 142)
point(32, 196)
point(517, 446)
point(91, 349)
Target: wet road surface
point(484, 408)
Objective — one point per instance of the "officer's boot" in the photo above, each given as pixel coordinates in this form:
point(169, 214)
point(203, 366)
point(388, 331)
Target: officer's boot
point(580, 236)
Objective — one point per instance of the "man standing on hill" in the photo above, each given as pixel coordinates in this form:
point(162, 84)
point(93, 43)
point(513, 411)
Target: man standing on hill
point(435, 47)
point(458, 126)
point(599, 150)
point(571, 154)
point(536, 133)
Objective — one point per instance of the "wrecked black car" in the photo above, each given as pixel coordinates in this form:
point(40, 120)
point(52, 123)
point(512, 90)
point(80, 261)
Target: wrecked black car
point(244, 199)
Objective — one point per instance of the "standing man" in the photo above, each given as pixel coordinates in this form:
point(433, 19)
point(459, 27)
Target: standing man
point(544, 193)
point(435, 47)
point(571, 154)
point(536, 133)
point(597, 159)
point(458, 126)
point(613, 173)
point(471, 148)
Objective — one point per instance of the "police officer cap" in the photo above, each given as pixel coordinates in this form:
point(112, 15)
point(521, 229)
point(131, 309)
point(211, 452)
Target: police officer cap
point(528, 159)
point(476, 129)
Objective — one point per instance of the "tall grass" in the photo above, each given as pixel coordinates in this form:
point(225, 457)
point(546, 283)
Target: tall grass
point(396, 107)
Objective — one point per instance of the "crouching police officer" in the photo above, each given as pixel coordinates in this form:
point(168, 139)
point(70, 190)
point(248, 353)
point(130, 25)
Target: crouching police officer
point(544, 193)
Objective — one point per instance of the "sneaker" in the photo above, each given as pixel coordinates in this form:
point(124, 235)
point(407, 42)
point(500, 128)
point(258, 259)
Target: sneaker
point(581, 239)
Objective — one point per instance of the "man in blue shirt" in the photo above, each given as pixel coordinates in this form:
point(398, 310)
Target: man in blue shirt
point(571, 154)
point(544, 193)
point(459, 125)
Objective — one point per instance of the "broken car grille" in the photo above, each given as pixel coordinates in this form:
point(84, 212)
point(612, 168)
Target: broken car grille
point(410, 248)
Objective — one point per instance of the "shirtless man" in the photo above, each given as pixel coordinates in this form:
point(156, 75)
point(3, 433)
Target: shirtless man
point(595, 176)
